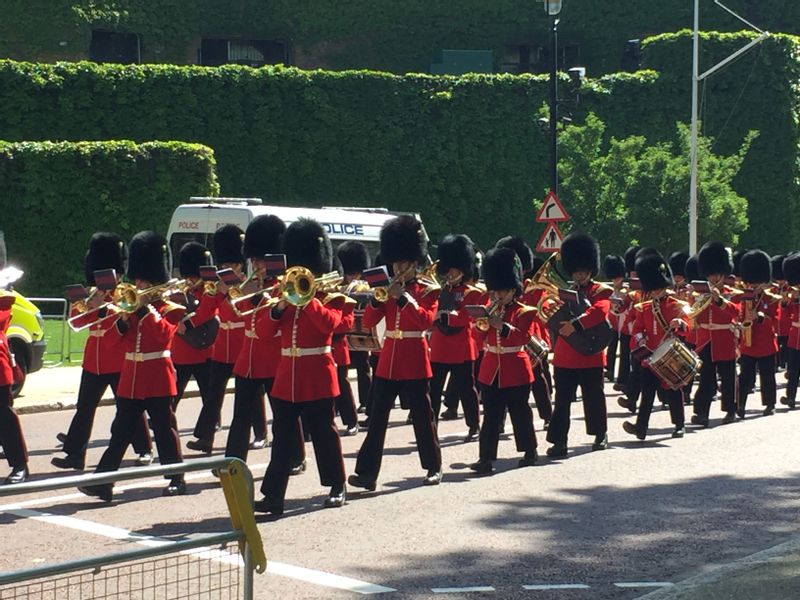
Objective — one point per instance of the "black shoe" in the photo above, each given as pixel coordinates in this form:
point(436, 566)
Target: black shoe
point(409, 420)
point(631, 428)
point(529, 459)
point(104, 491)
point(434, 477)
point(258, 443)
point(472, 435)
point(306, 437)
point(298, 469)
point(217, 426)
point(557, 451)
point(769, 411)
point(336, 498)
point(449, 414)
point(62, 437)
point(600, 442)
point(17, 475)
point(679, 432)
point(364, 423)
point(267, 505)
point(203, 446)
point(67, 462)
point(351, 431)
point(482, 467)
point(609, 377)
point(698, 420)
point(357, 481)
point(145, 459)
point(740, 412)
point(626, 404)
point(361, 409)
point(619, 387)
point(546, 425)
point(176, 487)
point(729, 417)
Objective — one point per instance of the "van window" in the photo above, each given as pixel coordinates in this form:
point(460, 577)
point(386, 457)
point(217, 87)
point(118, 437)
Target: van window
point(177, 241)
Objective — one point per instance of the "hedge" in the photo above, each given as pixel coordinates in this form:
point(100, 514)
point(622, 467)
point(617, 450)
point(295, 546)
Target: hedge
point(55, 195)
point(365, 34)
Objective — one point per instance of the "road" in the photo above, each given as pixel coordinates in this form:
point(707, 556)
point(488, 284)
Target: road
point(612, 524)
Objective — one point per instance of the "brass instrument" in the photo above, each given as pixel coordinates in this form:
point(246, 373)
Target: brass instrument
point(552, 284)
point(236, 292)
point(128, 298)
point(211, 288)
point(381, 294)
point(83, 310)
point(493, 310)
point(299, 286)
point(82, 306)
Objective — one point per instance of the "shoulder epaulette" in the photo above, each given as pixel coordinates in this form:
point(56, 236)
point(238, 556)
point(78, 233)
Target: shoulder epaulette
point(338, 296)
point(525, 308)
point(772, 297)
point(641, 305)
point(431, 289)
point(602, 288)
point(474, 288)
point(170, 306)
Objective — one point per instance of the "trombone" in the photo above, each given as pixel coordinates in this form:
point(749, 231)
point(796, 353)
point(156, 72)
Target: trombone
point(128, 298)
point(236, 292)
point(381, 293)
point(83, 310)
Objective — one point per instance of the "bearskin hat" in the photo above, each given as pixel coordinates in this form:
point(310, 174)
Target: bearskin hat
point(737, 259)
point(502, 270)
point(353, 256)
point(580, 251)
point(677, 263)
point(263, 236)
point(653, 272)
point(106, 251)
point(630, 258)
point(403, 238)
point(456, 251)
point(306, 244)
point(791, 269)
point(614, 266)
point(713, 258)
point(192, 256)
point(691, 270)
point(523, 250)
point(755, 267)
point(147, 258)
point(777, 267)
point(228, 244)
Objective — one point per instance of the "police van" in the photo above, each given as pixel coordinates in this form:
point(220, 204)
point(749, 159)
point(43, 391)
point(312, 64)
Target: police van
point(197, 221)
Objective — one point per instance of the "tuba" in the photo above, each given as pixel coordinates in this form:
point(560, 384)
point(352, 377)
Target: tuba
point(552, 285)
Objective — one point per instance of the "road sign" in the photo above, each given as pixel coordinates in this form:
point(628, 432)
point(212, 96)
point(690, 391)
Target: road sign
point(552, 210)
point(551, 239)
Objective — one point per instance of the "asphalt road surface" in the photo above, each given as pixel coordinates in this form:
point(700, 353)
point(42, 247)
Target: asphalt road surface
point(612, 524)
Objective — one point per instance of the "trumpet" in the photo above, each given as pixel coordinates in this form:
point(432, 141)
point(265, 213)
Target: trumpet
point(493, 310)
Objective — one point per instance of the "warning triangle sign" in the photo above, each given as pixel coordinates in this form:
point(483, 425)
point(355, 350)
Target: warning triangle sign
point(552, 210)
point(551, 239)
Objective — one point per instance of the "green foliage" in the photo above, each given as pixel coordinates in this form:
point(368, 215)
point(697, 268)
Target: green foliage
point(61, 193)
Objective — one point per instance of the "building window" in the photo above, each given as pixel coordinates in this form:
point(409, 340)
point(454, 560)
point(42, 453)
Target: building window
point(253, 53)
point(522, 58)
point(115, 47)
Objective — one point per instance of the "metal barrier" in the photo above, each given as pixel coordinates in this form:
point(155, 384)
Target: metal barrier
point(237, 484)
point(63, 348)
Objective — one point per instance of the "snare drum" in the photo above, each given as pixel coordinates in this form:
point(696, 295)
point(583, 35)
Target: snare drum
point(674, 363)
point(361, 339)
point(537, 350)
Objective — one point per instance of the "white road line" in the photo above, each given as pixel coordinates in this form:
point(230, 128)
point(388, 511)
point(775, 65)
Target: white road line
point(458, 590)
point(643, 584)
point(556, 586)
point(325, 579)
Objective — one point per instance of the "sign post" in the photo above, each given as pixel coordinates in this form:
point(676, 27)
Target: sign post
point(552, 212)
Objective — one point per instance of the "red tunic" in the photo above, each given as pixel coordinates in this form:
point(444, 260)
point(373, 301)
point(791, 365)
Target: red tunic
point(183, 353)
point(306, 370)
point(646, 325)
point(6, 372)
point(794, 325)
point(505, 357)
point(103, 352)
point(763, 332)
point(565, 355)
point(716, 325)
point(457, 346)
point(147, 371)
point(231, 333)
point(532, 299)
point(405, 350)
point(341, 353)
point(261, 349)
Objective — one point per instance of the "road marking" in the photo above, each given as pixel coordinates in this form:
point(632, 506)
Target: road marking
point(643, 584)
point(556, 586)
point(458, 590)
point(326, 579)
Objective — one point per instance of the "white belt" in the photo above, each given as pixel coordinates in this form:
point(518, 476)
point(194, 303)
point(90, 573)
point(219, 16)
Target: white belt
point(505, 349)
point(795, 323)
point(295, 351)
point(97, 332)
point(143, 356)
point(716, 326)
point(399, 334)
point(235, 325)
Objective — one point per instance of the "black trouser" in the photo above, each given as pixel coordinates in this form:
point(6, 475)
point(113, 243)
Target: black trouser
point(452, 391)
point(373, 362)
point(687, 391)
point(766, 375)
point(650, 385)
point(594, 402)
point(90, 392)
point(634, 386)
point(220, 374)
point(462, 375)
point(368, 464)
point(11, 437)
point(793, 369)
point(542, 394)
point(726, 369)
point(345, 403)
point(783, 350)
point(495, 403)
point(129, 414)
point(611, 353)
point(202, 375)
point(248, 409)
point(624, 359)
point(360, 362)
point(324, 436)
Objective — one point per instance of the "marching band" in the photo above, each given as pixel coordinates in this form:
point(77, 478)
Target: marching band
point(291, 330)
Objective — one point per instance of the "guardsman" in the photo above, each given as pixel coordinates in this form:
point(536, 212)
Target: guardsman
point(345, 402)
point(147, 381)
point(506, 373)
point(716, 319)
point(452, 350)
point(614, 270)
point(780, 288)
point(691, 274)
point(11, 436)
point(103, 355)
point(580, 256)
point(659, 317)
point(404, 366)
point(758, 344)
point(791, 270)
point(306, 382)
point(623, 375)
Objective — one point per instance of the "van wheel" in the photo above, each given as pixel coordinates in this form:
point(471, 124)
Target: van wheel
point(20, 371)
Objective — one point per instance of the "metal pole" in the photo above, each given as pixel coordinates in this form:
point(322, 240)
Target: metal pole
point(695, 94)
point(554, 107)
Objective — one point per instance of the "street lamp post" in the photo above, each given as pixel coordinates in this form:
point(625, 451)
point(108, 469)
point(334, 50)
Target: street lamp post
point(553, 7)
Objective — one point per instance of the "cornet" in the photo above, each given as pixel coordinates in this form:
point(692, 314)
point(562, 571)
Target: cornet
point(381, 294)
point(493, 310)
